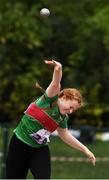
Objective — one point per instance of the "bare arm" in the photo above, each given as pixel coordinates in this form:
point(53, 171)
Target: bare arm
point(67, 137)
point(54, 87)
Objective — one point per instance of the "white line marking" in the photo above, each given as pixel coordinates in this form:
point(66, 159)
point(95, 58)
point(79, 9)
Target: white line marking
point(78, 159)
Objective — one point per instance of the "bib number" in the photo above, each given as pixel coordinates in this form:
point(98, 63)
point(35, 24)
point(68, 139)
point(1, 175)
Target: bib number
point(41, 136)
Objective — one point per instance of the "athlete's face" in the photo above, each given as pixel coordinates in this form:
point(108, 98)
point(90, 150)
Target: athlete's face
point(67, 106)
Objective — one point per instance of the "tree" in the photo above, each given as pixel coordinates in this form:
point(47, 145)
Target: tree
point(76, 34)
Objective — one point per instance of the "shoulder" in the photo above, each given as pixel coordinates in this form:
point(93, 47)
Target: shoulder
point(45, 99)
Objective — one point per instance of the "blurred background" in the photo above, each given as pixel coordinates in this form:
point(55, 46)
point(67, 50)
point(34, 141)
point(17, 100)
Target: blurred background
point(77, 34)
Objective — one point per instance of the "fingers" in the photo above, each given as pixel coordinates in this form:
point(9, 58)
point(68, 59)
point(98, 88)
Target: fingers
point(92, 159)
point(48, 62)
point(91, 156)
point(54, 63)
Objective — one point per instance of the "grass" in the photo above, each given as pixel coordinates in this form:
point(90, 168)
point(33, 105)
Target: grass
point(79, 170)
point(76, 170)
point(60, 148)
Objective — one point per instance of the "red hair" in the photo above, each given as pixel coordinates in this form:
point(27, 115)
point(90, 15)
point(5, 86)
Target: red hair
point(71, 94)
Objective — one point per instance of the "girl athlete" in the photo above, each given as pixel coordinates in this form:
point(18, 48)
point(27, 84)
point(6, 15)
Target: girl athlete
point(28, 148)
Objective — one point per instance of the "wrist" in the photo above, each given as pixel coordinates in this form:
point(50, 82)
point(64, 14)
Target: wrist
point(58, 68)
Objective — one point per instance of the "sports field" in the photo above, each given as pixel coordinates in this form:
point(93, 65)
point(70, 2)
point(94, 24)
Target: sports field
point(68, 163)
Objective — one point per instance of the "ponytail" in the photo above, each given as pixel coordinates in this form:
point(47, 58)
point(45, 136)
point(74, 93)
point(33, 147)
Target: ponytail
point(39, 87)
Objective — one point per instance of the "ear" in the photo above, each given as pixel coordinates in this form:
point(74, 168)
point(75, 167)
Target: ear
point(63, 97)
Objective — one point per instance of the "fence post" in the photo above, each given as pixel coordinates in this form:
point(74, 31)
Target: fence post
point(5, 146)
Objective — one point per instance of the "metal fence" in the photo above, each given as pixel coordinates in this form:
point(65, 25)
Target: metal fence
point(5, 130)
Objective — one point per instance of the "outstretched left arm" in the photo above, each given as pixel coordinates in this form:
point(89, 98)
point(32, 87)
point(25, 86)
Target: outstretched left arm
point(67, 137)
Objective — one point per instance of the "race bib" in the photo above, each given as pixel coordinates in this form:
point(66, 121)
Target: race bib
point(41, 136)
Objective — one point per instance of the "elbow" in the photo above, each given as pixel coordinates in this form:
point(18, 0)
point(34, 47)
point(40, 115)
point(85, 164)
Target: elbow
point(62, 133)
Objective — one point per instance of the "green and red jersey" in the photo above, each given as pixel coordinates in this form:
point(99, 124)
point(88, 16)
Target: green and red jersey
point(29, 125)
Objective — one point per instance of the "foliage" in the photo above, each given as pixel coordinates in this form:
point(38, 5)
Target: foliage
point(76, 33)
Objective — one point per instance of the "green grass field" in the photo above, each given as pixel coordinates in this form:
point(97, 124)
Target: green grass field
point(76, 170)
point(79, 170)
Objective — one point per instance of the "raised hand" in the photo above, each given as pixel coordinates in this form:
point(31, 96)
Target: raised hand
point(56, 64)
